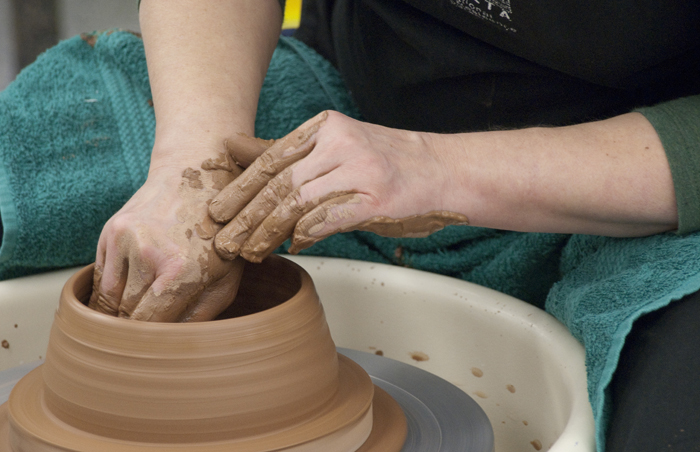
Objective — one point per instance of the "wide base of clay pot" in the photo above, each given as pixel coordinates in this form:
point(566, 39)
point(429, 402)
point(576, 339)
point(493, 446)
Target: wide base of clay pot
point(267, 378)
point(388, 431)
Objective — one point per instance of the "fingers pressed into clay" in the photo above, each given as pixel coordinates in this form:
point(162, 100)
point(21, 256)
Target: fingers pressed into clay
point(159, 308)
point(101, 300)
point(168, 304)
point(279, 156)
point(139, 280)
point(156, 269)
point(109, 282)
point(216, 297)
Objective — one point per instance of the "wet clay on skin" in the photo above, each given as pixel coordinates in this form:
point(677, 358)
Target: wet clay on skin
point(254, 234)
point(245, 149)
point(285, 151)
point(196, 190)
point(248, 221)
point(263, 209)
point(308, 231)
point(203, 280)
point(281, 223)
point(229, 384)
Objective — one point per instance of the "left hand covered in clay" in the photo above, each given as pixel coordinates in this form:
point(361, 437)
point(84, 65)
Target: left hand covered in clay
point(155, 258)
point(333, 174)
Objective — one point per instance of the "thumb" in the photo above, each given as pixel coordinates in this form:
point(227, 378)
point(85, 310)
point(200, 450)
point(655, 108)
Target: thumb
point(245, 149)
point(338, 215)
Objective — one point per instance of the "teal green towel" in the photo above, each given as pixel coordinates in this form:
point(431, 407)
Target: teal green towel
point(76, 129)
point(73, 127)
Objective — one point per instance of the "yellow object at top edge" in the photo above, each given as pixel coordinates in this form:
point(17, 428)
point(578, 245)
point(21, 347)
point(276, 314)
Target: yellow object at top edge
point(292, 14)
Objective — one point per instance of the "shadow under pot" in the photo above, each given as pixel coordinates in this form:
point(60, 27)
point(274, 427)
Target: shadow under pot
point(264, 376)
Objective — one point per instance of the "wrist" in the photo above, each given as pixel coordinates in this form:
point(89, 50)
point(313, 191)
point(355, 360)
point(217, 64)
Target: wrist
point(190, 147)
point(457, 187)
point(196, 133)
point(490, 176)
point(608, 177)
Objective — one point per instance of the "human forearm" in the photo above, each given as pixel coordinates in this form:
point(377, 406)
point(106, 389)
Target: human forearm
point(206, 61)
point(335, 174)
point(608, 177)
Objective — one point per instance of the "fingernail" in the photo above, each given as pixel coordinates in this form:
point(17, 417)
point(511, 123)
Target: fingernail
point(315, 229)
point(226, 248)
point(253, 257)
point(300, 243)
point(215, 211)
point(256, 252)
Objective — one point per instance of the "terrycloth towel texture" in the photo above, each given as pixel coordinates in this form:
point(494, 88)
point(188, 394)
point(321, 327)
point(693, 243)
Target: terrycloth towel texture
point(76, 130)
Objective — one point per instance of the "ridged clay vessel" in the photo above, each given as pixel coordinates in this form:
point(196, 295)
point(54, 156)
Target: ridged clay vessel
point(264, 376)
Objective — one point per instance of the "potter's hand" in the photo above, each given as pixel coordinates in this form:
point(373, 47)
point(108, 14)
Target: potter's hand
point(333, 174)
point(155, 258)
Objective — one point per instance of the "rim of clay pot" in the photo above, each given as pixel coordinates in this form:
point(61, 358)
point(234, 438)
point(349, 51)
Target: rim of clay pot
point(74, 420)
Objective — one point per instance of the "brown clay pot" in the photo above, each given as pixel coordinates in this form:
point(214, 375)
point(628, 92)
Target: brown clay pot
point(264, 376)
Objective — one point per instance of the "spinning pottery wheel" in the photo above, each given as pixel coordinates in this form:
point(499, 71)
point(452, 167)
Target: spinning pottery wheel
point(265, 376)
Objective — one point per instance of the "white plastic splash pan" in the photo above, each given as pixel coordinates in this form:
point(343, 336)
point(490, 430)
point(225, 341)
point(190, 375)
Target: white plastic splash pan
point(519, 363)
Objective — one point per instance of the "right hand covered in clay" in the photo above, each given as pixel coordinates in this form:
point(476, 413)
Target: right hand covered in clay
point(155, 257)
point(333, 174)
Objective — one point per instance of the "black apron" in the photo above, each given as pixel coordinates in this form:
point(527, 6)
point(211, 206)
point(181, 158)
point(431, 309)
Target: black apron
point(462, 65)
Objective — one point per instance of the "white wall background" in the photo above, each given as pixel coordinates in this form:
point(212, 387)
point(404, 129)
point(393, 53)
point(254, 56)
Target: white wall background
point(73, 17)
point(8, 59)
point(77, 16)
